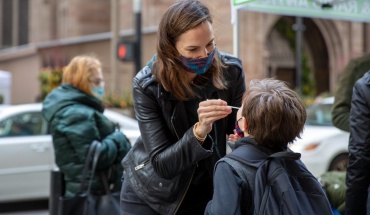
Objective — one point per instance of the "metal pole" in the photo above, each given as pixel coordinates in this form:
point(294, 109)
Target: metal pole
point(236, 30)
point(298, 27)
point(15, 24)
point(137, 10)
point(114, 41)
point(1, 27)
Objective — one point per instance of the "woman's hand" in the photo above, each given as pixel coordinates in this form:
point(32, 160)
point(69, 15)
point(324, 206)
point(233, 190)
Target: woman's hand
point(208, 112)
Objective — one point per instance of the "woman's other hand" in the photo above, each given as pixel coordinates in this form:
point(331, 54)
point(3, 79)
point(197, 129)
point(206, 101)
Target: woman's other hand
point(234, 137)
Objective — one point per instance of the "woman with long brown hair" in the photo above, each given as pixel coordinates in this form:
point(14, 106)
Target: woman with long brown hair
point(182, 100)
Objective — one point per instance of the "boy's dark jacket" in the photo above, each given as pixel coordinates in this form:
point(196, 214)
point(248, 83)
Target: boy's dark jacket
point(164, 171)
point(242, 188)
point(237, 180)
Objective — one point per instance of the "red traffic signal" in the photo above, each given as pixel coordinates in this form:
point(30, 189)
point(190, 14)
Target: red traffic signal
point(125, 50)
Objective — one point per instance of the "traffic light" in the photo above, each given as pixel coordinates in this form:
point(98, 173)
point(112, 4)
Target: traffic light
point(125, 50)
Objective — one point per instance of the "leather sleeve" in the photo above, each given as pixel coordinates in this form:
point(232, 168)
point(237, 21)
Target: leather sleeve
point(342, 101)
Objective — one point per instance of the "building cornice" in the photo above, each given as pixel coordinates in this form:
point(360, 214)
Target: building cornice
point(32, 48)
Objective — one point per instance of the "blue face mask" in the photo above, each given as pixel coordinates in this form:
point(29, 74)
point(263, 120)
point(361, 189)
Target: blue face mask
point(237, 128)
point(198, 66)
point(98, 92)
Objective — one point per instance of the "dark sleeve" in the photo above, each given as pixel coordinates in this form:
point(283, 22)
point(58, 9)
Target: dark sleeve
point(114, 148)
point(227, 192)
point(342, 97)
point(358, 174)
point(79, 127)
point(169, 156)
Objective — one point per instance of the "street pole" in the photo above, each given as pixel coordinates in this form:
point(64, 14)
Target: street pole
point(299, 28)
point(137, 11)
point(115, 35)
point(236, 31)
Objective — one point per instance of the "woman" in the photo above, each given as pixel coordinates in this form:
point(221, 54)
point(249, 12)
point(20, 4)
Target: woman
point(75, 114)
point(182, 101)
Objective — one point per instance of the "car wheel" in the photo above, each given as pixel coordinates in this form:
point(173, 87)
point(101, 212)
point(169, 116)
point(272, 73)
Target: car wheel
point(339, 163)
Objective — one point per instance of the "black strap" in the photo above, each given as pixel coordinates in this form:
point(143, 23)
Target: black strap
point(286, 155)
point(102, 176)
point(94, 163)
point(87, 164)
point(104, 180)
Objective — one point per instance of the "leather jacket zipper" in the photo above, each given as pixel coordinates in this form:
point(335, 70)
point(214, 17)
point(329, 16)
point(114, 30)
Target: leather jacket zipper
point(186, 190)
point(192, 174)
point(141, 165)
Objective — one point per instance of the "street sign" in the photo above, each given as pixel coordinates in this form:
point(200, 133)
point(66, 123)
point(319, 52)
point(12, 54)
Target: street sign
point(350, 10)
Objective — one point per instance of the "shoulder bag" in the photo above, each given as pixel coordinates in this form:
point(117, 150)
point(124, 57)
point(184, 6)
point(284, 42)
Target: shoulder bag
point(84, 202)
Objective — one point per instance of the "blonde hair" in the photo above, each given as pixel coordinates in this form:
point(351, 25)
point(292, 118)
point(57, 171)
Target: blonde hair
point(79, 70)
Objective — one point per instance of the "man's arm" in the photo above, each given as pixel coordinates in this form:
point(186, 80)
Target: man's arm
point(342, 102)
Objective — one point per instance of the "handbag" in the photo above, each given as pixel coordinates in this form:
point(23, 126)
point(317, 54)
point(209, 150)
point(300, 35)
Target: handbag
point(86, 203)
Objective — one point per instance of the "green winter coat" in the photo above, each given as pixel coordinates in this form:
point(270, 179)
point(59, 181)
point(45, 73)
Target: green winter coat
point(354, 70)
point(76, 119)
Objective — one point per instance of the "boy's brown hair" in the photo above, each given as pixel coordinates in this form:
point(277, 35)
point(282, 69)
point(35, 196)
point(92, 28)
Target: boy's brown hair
point(274, 113)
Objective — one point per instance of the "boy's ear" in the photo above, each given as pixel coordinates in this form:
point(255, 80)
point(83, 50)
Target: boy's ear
point(245, 124)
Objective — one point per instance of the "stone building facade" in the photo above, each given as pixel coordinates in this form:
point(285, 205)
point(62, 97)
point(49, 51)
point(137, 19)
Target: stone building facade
point(42, 33)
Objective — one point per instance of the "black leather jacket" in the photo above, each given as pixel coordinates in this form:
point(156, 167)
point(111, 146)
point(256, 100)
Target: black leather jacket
point(161, 164)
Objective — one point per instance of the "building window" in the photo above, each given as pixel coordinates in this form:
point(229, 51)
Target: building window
point(23, 22)
point(7, 20)
point(14, 22)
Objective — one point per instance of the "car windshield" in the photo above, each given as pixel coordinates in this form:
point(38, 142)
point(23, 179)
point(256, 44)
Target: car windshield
point(319, 114)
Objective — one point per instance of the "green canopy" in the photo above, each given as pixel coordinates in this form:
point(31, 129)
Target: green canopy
point(350, 10)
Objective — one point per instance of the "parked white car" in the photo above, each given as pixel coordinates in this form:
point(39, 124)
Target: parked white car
point(323, 147)
point(26, 160)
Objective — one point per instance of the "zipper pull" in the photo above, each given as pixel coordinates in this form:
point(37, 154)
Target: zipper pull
point(139, 166)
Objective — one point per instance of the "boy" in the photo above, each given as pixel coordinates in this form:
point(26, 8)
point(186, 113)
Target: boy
point(271, 117)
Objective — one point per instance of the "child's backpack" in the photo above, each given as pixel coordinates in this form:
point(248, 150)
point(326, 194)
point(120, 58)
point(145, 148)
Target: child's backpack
point(283, 185)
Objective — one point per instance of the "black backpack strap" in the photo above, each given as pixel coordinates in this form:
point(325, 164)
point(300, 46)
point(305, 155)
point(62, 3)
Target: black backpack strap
point(286, 155)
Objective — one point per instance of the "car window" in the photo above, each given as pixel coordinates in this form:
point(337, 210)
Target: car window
point(319, 114)
point(24, 124)
point(125, 122)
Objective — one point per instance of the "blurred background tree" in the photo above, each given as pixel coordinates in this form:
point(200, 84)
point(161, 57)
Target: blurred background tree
point(50, 78)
